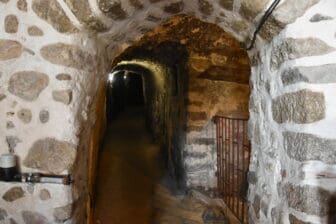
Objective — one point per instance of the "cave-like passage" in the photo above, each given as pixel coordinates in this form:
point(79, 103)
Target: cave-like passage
point(132, 184)
point(129, 165)
point(128, 171)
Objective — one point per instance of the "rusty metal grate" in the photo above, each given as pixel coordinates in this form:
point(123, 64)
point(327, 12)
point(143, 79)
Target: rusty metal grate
point(233, 157)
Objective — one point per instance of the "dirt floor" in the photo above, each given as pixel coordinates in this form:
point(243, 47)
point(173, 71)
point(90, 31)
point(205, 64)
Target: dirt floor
point(129, 184)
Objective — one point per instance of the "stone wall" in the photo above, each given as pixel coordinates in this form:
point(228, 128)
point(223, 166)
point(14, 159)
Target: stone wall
point(292, 172)
point(212, 72)
point(53, 55)
point(49, 77)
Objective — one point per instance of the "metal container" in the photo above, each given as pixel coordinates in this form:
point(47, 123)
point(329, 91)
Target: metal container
point(8, 167)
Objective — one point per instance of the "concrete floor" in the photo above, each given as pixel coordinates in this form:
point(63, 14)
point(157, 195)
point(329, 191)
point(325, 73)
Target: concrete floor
point(129, 185)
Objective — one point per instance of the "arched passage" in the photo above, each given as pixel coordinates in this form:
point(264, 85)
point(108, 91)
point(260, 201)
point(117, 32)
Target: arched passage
point(192, 71)
point(90, 34)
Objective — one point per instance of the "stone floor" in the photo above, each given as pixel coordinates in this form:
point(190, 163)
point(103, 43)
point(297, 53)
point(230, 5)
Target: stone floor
point(130, 182)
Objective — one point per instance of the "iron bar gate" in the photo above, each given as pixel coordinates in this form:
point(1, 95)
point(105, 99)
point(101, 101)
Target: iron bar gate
point(233, 157)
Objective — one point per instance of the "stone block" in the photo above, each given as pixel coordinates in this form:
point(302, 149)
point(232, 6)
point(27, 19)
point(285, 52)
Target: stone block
point(44, 195)
point(51, 155)
point(195, 128)
point(12, 141)
point(13, 194)
point(300, 107)
point(197, 116)
point(68, 55)
point(11, 24)
point(2, 96)
point(174, 8)
point(250, 9)
point(290, 10)
point(10, 49)
point(35, 31)
point(271, 28)
point(63, 77)
point(44, 116)
point(226, 4)
point(52, 13)
point(63, 96)
point(83, 12)
point(12, 221)
point(22, 5)
point(204, 141)
point(205, 7)
point(61, 214)
point(319, 17)
point(308, 199)
point(28, 84)
point(304, 147)
point(3, 214)
point(30, 217)
point(294, 220)
point(10, 125)
point(136, 4)
point(256, 205)
point(252, 177)
point(112, 9)
point(25, 115)
point(310, 74)
point(290, 48)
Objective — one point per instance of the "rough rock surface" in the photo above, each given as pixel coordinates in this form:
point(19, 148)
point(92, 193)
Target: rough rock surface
point(319, 17)
point(53, 13)
point(28, 84)
point(30, 217)
point(290, 10)
point(12, 141)
point(304, 198)
point(174, 8)
point(63, 96)
point(250, 9)
point(51, 155)
point(68, 55)
point(227, 4)
point(10, 49)
point(35, 31)
point(61, 214)
point(310, 74)
point(291, 48)
point(303, 147)
point(2, 96)
point(82, 10)
point(63, 77)
point(3, 214)
point(13, 194)
point(294, 220)
point(22, 5)
point(10, 125)
point(44, 195)
point(205, 7)
point(44, 116)
point(11, 24)
point(300, 107)
point(25, 115)
point(112, 9)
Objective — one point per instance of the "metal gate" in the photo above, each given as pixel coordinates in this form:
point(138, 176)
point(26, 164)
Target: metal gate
point(233, 157)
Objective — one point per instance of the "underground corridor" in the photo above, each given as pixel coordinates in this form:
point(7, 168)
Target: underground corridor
point(174, 102)
point(167, 111)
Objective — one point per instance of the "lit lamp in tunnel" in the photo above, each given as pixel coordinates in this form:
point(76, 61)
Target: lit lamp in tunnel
point(110, 77)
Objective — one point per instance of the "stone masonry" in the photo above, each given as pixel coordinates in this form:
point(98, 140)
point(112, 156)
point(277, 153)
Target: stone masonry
point(292, 107)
